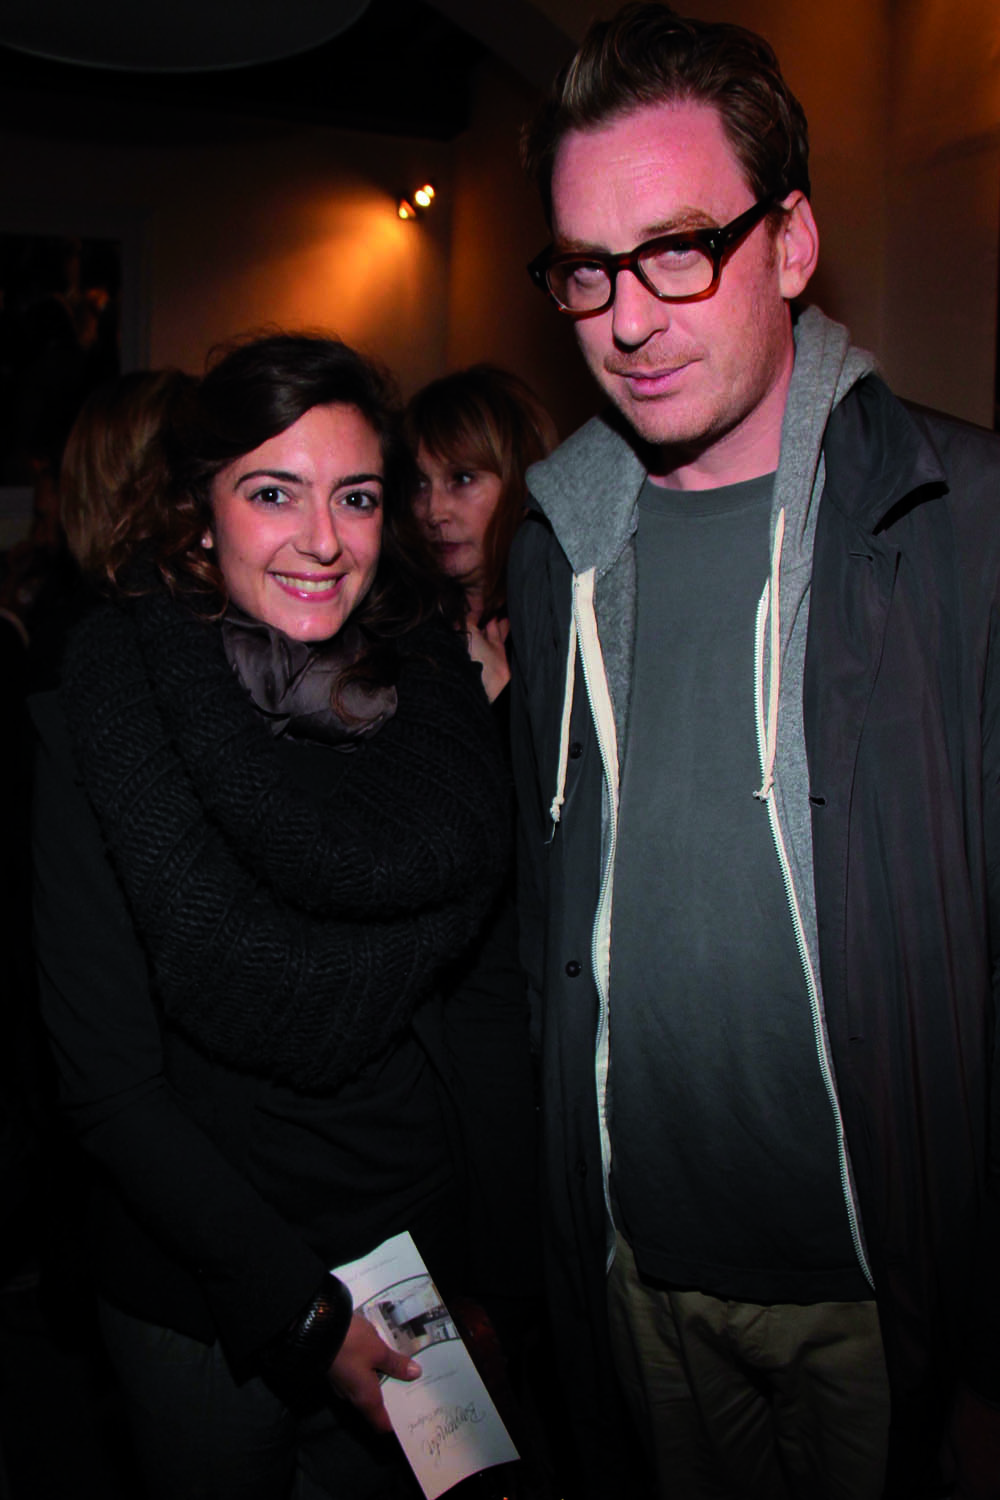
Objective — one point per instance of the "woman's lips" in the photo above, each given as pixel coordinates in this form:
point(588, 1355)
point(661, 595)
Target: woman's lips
point(307, 587)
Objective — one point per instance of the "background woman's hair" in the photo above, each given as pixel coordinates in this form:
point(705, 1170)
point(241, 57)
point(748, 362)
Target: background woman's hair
point(486, 418)
point(113, 456)
point(255, 388)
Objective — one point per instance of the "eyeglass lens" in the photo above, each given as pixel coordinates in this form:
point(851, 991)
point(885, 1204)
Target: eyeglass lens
point(671, 270)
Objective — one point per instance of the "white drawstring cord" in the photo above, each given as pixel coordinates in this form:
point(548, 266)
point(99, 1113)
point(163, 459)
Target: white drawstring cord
point(555, 810)
point(774, 676)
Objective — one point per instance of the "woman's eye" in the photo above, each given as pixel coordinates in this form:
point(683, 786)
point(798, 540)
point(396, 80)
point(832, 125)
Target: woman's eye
point(269, 494)
point(462, 477)
point(363, 500)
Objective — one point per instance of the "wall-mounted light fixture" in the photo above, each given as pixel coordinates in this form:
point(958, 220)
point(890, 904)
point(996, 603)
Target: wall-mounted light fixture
point(422, 197)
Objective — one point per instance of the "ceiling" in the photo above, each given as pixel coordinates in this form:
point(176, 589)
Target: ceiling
point(405, 67)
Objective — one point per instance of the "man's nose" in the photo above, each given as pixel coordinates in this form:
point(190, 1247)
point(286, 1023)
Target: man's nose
point(636, 314)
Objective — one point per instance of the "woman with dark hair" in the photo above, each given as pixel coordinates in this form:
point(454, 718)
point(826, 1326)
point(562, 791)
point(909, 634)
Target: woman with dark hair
point(271, 811)
point(475, 433)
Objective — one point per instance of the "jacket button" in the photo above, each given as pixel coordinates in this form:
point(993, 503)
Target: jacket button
point(573, 969)
point(575, 750)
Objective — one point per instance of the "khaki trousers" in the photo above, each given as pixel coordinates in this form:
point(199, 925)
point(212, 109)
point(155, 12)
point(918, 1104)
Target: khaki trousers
point(744, 1402)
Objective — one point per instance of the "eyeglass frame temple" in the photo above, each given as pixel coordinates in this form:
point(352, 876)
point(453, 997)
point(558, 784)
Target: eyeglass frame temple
point(717, 241)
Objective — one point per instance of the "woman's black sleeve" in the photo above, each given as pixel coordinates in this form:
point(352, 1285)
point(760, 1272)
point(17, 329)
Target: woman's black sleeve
point(255, 1271)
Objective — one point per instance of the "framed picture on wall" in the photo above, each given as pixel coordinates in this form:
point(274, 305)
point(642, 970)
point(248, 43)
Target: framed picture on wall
point(72, 315)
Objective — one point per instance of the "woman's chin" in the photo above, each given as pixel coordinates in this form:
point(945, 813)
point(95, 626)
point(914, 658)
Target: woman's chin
point(309, 628)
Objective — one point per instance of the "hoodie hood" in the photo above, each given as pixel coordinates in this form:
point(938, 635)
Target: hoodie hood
point(589, 486)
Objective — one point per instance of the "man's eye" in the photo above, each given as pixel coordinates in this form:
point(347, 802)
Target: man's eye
point(674, 257)
point(588, 274)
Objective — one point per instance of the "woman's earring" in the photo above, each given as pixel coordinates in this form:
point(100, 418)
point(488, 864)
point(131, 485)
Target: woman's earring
point(206, 540)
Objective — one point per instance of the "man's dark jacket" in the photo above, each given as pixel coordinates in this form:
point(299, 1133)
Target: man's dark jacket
point(901, 695)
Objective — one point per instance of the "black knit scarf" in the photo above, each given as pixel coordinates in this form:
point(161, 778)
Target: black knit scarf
point(288, 936)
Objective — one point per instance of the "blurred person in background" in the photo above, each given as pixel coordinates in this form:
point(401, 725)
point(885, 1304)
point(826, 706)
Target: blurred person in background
point(475, 433)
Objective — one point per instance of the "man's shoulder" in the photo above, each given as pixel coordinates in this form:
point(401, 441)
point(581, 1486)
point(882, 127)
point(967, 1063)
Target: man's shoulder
point(887, 457)
point(959, 443)
point(949, 436)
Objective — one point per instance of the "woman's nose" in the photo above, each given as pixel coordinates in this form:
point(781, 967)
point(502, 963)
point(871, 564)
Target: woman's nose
point(319, 536)
point(436, 504)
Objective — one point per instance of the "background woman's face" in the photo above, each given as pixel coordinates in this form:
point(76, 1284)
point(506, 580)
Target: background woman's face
point(297, 523)
point(454, 505)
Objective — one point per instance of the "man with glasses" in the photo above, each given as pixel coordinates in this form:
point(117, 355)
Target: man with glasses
point(757, 738)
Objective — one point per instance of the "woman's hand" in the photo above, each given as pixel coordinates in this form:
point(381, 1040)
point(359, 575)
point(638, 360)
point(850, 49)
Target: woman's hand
point(354, 1373)
point(487, 646)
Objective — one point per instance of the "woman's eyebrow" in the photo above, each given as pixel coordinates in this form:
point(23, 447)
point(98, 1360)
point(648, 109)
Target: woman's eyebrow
point(360, 479)
point(287, 477)
point(284, 474)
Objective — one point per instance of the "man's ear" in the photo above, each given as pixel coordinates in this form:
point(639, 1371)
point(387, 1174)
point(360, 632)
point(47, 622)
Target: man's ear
point(796, 246)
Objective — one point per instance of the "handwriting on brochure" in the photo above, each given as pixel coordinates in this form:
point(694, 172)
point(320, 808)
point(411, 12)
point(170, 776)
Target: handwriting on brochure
point(446, 1422)
point(435, 1429)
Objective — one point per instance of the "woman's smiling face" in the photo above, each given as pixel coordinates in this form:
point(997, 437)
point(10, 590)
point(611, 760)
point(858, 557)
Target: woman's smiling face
point(297, 523)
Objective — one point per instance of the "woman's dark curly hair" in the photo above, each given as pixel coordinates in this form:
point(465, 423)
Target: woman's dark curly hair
point(255, 388)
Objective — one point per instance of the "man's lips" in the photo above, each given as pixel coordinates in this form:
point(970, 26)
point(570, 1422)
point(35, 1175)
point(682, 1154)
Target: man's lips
point(645, 383)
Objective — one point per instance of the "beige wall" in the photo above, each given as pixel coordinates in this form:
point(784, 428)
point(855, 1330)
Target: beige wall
point(944, 204)
point(495, 312)
point(302, 230)
point(245, 224)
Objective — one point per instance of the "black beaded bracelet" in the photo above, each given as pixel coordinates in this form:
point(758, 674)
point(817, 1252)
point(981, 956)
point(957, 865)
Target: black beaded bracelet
point(312, 1340)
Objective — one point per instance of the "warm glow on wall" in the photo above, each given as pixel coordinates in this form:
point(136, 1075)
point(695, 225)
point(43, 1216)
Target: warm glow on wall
point(376, 271)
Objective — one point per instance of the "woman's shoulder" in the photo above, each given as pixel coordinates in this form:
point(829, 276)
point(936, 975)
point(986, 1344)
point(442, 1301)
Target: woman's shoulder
point(91, 641)
point(51, 733)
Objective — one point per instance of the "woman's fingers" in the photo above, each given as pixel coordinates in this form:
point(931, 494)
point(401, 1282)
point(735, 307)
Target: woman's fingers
point(355, 1372)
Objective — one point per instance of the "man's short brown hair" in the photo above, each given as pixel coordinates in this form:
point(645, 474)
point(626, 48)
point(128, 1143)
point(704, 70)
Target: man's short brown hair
point(647, 54)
